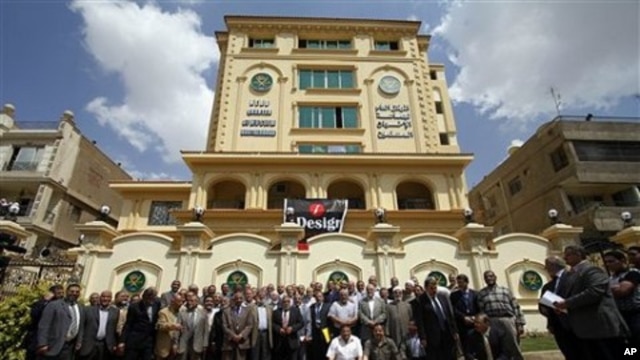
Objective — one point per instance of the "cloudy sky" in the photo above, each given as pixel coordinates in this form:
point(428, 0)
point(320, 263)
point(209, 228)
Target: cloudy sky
point(140, 75)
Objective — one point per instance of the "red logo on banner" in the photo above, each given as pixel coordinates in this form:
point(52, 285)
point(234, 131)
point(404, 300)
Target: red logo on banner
point(317, 210)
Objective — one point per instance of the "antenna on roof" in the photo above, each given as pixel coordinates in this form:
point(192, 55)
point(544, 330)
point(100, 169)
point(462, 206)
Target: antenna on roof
point(557, 100)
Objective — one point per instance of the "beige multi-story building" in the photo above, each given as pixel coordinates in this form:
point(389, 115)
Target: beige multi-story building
point(314, 108)
point(58, 177)
point(588, 171)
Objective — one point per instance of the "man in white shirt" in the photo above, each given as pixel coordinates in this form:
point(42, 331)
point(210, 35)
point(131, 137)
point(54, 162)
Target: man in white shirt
point(343, 312)
point(345, 346)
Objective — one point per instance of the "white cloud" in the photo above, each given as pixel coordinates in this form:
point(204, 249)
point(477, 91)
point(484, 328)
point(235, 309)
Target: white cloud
point(137, 174)
point(159, 57)
point(511, 53)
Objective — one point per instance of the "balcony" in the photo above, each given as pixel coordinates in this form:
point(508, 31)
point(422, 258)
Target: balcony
point(608, 172)
point(604, 218)
point(22, 166)
point(225, 204)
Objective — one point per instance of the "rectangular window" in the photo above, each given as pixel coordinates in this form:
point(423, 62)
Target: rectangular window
point(159, 213)
point(628, 197)
point(433, 75)
point(587, 150)
point(324, 44)
point(515, 185)
point(329, 149)
point(581, 203)
point(444, 139)
point(26, 158)
point(261, 43)
point(326, 79)
point(559, 159)
point(386, 45)
point(327, 117)
point(439, 109)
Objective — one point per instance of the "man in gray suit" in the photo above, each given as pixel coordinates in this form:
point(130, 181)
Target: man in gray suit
point(98, 341)
point(167, 297)
point(192, 336)
point(593, 316)
point(59, 327)
point(372, 310)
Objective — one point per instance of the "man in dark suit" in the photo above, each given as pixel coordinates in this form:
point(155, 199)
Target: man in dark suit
point(59, 327)
point(286, 322)
point(319, 325)
point(31, 338)
point(465, 307)
point(165, 298)
point(237, 322)
point(558, 323)
point(486, 341)
point(592, 312)
point(436, 323)
point(99, 330)
point(138, 335)
point(216, 333)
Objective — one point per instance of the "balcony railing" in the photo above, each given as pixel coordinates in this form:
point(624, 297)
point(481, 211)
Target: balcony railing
point(225, 204)
point(38, 125)
point(23, 166)
point(414, 204)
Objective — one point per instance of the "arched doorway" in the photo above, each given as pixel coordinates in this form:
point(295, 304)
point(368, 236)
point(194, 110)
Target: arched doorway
point(228, 194)
point(350, 190)
point(284, 190)
point(413, 195)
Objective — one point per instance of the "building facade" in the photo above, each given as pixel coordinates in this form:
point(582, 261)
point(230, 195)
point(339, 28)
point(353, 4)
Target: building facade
point(311, 108)
point(588, 171)
point(59, 178)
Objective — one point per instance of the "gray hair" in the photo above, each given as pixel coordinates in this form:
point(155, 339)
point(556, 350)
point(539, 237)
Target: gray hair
point(555, 262)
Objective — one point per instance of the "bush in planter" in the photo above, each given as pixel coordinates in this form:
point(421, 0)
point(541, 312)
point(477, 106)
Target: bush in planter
point(14, 320)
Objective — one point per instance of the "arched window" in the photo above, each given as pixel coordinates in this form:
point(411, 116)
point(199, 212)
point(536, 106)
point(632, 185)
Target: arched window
point(344, 189)
point(228, 194)
point(413, 195)
point(284, 190)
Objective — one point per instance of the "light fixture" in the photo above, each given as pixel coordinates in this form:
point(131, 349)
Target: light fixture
point(105, 210)
point(289, 214)
point(468, 215)
point(553, 216)
point(198, 213)
point(11, 210)
point(380, 214)
point(627, 219)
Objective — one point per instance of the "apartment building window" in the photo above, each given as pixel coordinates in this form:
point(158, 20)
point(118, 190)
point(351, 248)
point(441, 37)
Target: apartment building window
point(386, 45)
point(329, 149)
point(627, 197)
point(444, 139)
point(439, 107)
point(262, 43)
point(579, 203)
point(26, 158)
point(515, 185)
point(326, 79)
point(324, 44)
point(607, 150)
point(559, 159)
point(433, 75)
point(74, 213)
point(338, 117)
point(159, 213)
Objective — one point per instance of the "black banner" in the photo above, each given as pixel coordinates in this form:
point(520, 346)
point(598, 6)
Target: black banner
point(316, 216)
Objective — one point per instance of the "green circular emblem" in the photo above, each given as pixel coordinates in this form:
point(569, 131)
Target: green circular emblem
point(237, 278)
point(531, 280)
point(134, 281)
point(442, 280)
point(261, 82)
point(338, 277)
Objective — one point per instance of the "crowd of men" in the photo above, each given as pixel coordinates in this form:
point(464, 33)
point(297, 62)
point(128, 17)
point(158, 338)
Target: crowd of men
point(344, 320)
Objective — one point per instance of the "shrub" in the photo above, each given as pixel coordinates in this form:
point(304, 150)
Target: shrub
point(15, 318)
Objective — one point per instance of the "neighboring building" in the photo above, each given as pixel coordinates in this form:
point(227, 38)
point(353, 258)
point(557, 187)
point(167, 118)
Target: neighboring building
point(58, 177)
point(589, 171)
point(313, 108)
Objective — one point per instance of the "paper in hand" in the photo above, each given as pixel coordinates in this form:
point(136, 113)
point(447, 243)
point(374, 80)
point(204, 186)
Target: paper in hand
point(548, 298)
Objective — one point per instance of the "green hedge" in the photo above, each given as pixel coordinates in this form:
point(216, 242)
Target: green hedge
point(14, 319)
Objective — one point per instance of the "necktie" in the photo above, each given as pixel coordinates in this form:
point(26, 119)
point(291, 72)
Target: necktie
point(487, 346)
point(555, 287)
point(285, 318)
point(439, 313)
point(467, 302)
point(73, 328)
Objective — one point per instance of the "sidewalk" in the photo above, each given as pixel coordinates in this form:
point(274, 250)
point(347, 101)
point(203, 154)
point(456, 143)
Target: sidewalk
point(544, 355)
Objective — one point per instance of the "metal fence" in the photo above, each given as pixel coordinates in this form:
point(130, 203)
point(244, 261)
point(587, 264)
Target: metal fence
point(26, 272)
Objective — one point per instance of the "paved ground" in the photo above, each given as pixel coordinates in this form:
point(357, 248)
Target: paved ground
point(544, 355)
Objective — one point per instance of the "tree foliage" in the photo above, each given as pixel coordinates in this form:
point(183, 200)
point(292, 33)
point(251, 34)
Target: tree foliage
point(15, 318)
